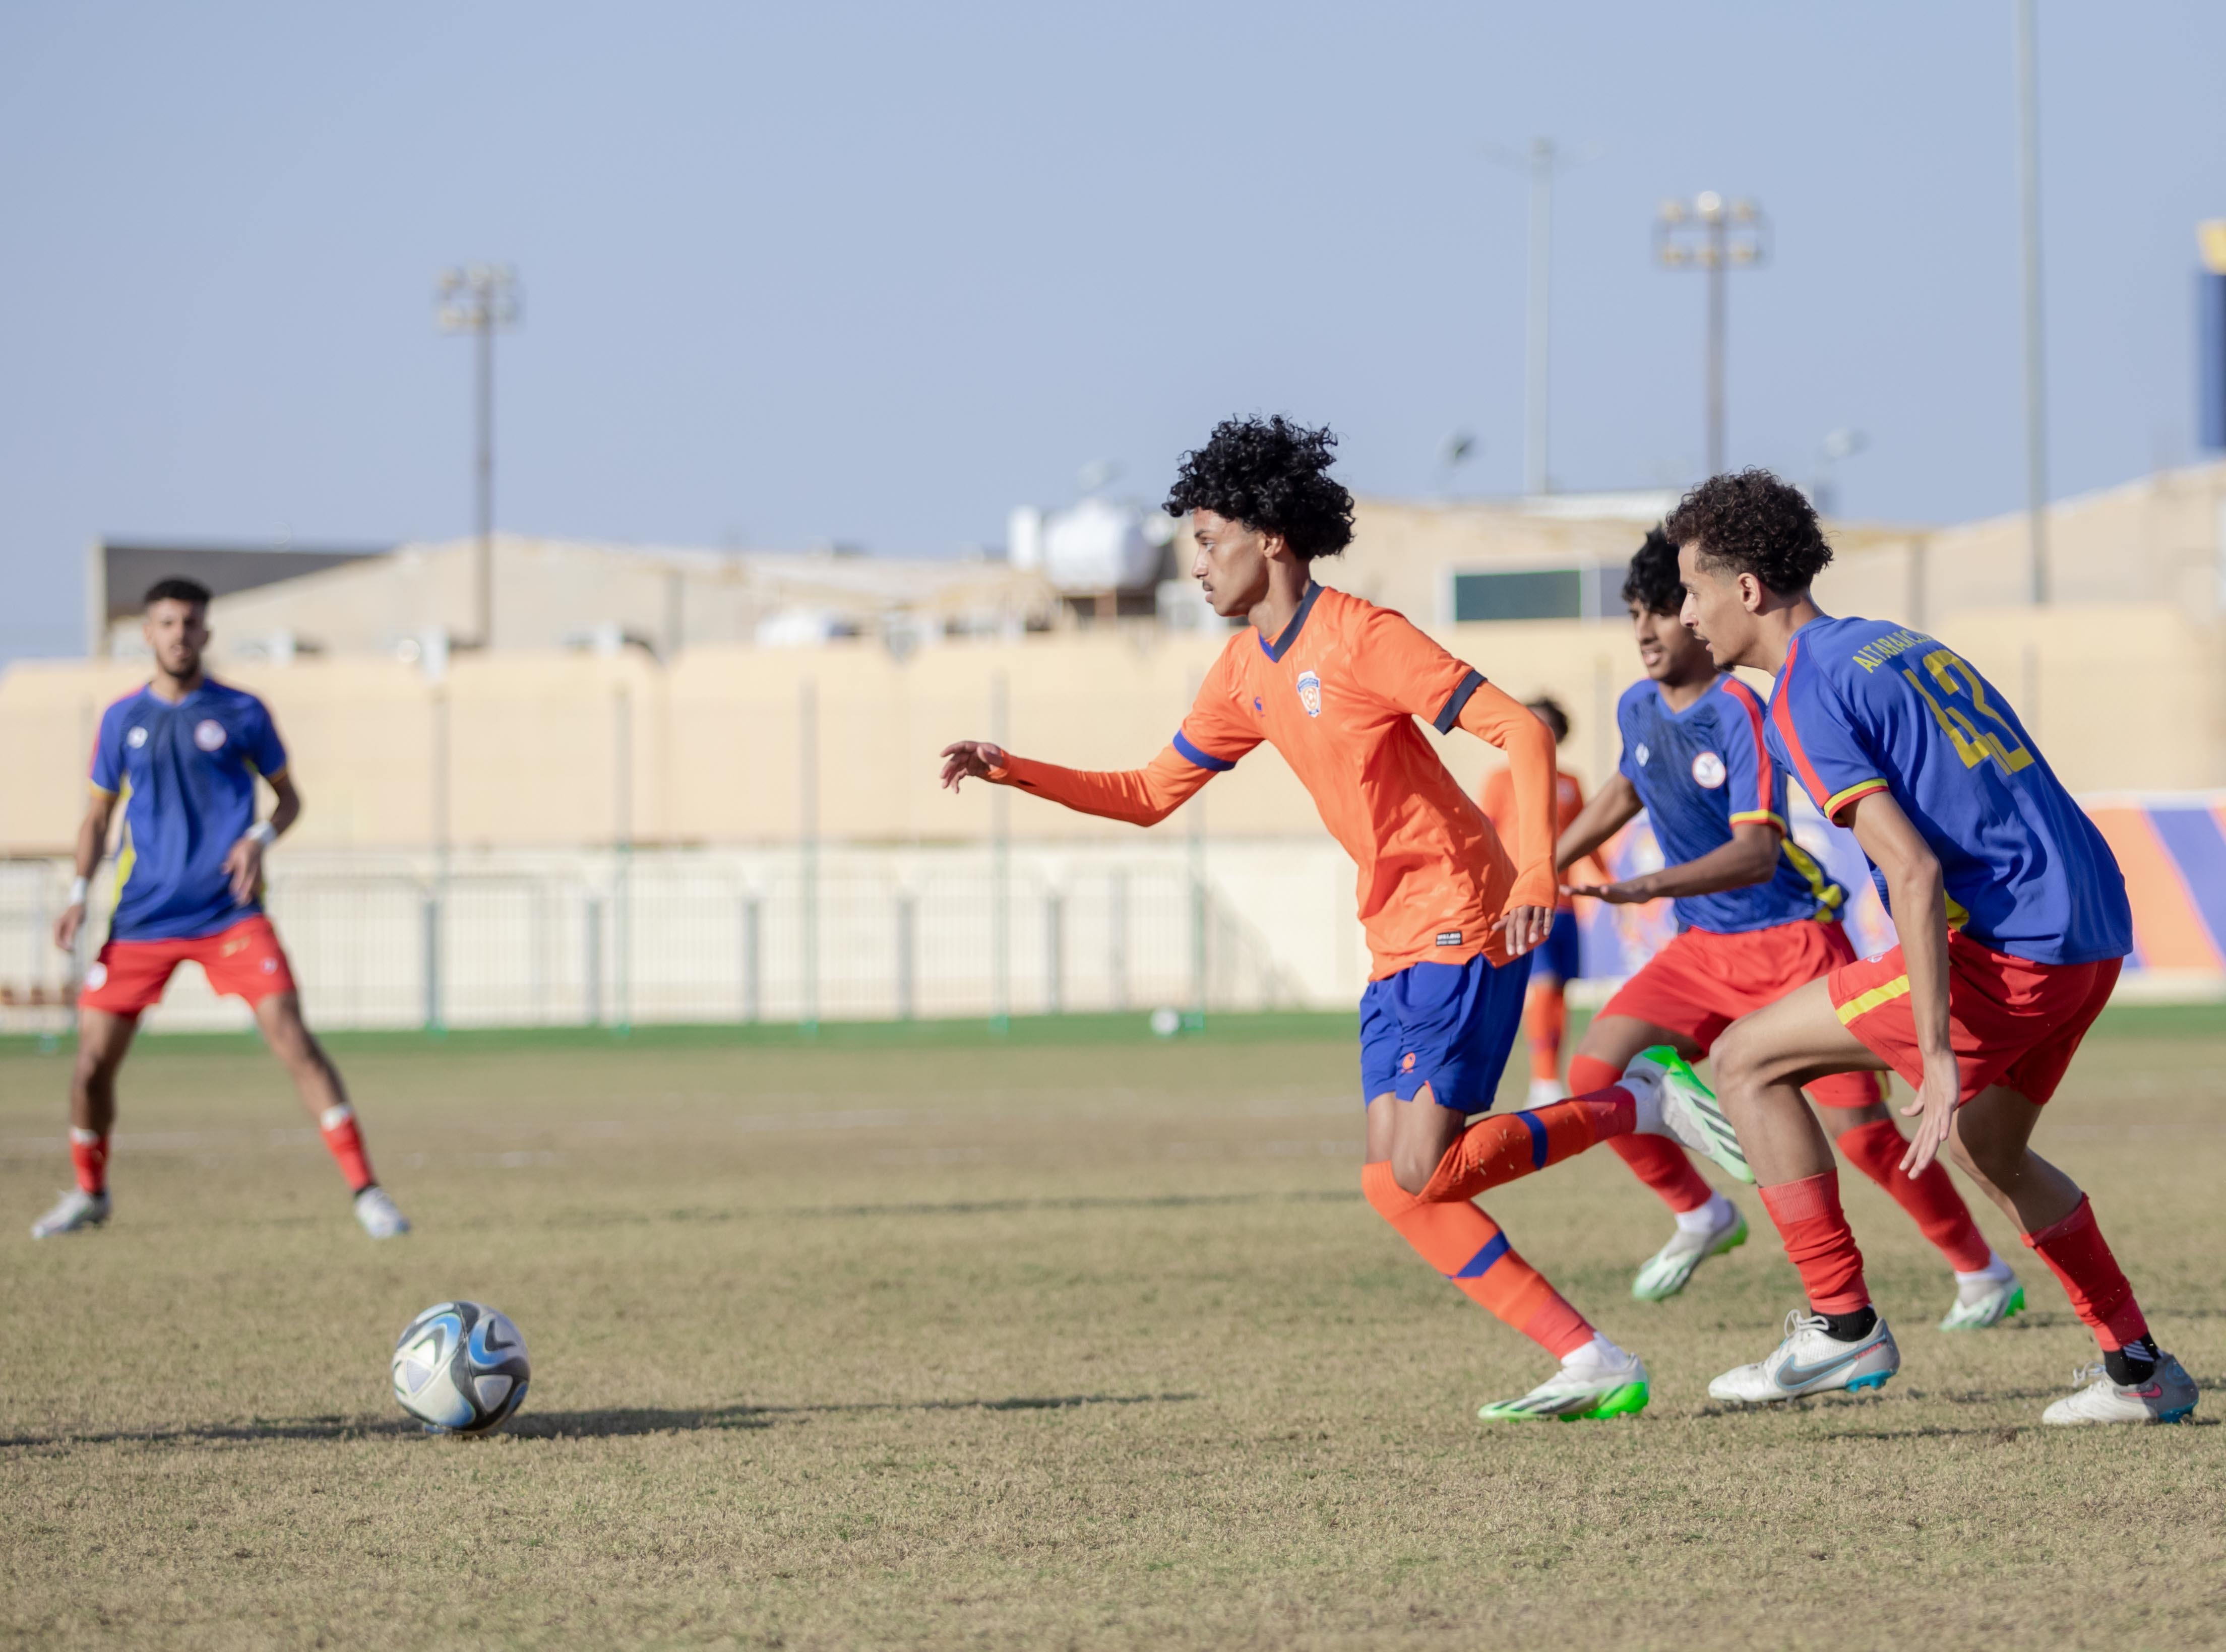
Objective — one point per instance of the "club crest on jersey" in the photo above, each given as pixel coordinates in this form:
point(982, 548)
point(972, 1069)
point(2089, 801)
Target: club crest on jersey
point(1708, 770)
point(1642, 753)
point(209, 734)
point(1310, 693)
point(135, 739)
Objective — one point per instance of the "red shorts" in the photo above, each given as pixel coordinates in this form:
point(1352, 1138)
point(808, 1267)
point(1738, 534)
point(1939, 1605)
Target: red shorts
point(243, 962)
point(2010, 1022)
point(1702, 982)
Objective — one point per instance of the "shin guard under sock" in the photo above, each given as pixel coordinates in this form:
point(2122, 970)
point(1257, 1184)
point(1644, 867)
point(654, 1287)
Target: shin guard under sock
point(337, 1125)
point(1467, 1246)
point(1656, 1160)
point(2077, 1254)
point(1500, 1147)
point(89, 1158)
point(1876, 1148)
point(1546, 1019)
point(1819, 1243)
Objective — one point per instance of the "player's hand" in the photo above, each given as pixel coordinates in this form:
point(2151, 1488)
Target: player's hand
point(970, 760)
point(1934, 1106)
point(243, 866)
point(1526, 927)
point(67, 925)
point(1630, 891)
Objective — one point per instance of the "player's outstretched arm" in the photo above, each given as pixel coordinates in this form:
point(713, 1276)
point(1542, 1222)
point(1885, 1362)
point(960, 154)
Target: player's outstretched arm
point(1499, 719)
point(1750, 858)
point(1141, 797)
point(92, 838)
point(1917, 895)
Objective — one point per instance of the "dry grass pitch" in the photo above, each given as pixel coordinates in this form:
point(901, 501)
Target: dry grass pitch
point(1079, 1339)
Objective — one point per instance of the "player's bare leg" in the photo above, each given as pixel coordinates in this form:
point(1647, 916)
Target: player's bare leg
point(103, 1040)
point(324, 1097)
point(1708, 1223)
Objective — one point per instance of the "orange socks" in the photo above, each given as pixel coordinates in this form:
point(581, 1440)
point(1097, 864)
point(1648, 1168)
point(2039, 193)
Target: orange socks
point(1875, 1149)
point(1819, 1243)
point(1546, 1019)
point(337, 1124)
point(1467, 1246)
point(89, 1158)
point(2076, 1253)
point(1656, 1160)
point(1500, 1147)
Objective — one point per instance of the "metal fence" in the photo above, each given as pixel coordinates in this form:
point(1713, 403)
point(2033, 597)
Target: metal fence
point(616, 936)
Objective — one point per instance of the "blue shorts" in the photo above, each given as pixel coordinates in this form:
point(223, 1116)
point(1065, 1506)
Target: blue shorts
point(1558, 956)
point(1449, 1026)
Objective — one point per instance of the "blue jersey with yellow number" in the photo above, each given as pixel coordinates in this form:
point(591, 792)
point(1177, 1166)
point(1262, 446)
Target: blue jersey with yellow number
point(1700, 772)
point(1863, 706)
point(186, 775)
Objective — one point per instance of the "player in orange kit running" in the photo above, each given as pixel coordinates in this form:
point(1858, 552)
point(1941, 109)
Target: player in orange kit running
point(1334, 684)
point(1546, 1005)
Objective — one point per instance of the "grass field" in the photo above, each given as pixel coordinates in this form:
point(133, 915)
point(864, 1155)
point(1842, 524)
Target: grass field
point(1074, 1338)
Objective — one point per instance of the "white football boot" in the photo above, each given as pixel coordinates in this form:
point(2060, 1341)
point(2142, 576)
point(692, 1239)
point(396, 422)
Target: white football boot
point(380, 1217)
point(2168, 1396)
point(1985, 1300)
point(1665, 1272)
point(1811, 1361)
point(1599, 1380)
point(1674, 1102)
point(76, 1211)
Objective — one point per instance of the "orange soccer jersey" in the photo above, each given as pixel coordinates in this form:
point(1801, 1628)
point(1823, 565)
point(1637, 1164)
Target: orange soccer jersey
point(1338, 695)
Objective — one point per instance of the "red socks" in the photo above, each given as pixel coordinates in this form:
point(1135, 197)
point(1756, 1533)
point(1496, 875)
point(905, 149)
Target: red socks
point(1546, 1019)
point(1500, 1147)
point(89, 1157)
point(2075, 1253)
point(1875, 1149)
point(338, 1125)
point(1467, 1246)
point(1819, 1243)
point(1656, 1160)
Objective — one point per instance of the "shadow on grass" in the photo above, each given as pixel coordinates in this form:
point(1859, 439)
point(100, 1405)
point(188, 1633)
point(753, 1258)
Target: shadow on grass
point(570, 1425)
point(954, 1207)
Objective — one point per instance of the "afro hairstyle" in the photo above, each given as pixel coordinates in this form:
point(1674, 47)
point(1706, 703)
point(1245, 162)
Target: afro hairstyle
point(1653, 583)
point(1751, 523)
point(1272, 475)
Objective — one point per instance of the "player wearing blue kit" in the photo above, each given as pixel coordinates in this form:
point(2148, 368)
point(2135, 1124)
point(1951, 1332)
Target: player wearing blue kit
point(182, 758)
point(1757, 916)
point(2014, 923)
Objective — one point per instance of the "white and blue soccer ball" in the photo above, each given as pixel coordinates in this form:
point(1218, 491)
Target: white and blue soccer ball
point(461, 1367)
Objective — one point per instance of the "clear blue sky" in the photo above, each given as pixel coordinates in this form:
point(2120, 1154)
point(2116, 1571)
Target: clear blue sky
point(878, 272)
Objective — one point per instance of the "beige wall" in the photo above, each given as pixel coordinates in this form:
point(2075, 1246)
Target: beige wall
point(560, 749)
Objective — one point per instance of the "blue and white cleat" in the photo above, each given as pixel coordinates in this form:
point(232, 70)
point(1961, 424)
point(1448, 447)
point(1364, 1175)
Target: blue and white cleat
point(1812, 1361)
point(77, 1211)
point(2169, 1395)
point(1673, 1102)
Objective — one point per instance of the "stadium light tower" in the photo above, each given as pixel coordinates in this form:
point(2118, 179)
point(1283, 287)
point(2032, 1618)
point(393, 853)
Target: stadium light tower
point(1544, 165)
point(478, 299)
point(1712, 235)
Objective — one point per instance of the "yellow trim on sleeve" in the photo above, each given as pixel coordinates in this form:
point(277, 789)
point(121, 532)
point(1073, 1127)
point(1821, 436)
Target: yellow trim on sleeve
point(1840, 799)
point(1864, 1003)
point(1770, 817)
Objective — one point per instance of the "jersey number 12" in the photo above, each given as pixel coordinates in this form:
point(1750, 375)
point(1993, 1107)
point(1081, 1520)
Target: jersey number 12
point(1973, 743)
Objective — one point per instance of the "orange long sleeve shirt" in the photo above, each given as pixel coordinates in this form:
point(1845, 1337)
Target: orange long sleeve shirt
point(1499, 808)
point(1337, 694)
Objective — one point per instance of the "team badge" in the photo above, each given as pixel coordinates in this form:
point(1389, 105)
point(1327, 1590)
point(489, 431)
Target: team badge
point(1310, 693)
point(135, 739)
point(209, 734)
point(1708, 770)
point(96, 975)
point(1642, 753)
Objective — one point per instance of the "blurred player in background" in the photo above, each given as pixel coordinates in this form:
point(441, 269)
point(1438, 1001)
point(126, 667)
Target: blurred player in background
point(181, 757)
point(2014, 923)
point(1553, 966)
point(1334, 684)
point(1757, 916)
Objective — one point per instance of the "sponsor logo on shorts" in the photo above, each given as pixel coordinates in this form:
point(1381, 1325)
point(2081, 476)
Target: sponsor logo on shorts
point(270, 966)
point(1449, 937)
point(1406, 1062)
point(96, 977)
point(1708, 770)
point(209, 734)
point(135, 739)
point(237, 943)
point(1310, 693)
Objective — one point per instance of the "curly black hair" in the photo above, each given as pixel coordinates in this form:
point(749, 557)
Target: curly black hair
point(1549, 711)
point(1751, 523)
point(1273, 475)
point(1652, 582)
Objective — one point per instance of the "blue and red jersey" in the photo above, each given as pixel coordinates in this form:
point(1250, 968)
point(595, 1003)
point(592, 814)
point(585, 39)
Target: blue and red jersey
point(1700, 772)
point(1863, 706)
point(185, 775)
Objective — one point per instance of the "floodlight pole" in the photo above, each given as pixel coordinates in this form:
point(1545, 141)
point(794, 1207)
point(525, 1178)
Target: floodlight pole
point(1543, 164)
point(1711, 234)
point(2036, 395)
point(478, 299)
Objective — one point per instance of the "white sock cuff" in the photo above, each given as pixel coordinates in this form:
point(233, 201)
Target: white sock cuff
point(85, 1138)
point(1995, 1268)
point(1705, 1218)
point(335, 1115)
point(1598, 1351)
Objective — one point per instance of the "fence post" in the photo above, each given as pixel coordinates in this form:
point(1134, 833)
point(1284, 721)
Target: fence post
point(436, 905)
point(753, 990)
point(908, 965)
point(1116, 937)
point(429, 928)
point(592, 975)
point(622, 894)
point(808, 781)
point(1055, 953)
point(1001, 871)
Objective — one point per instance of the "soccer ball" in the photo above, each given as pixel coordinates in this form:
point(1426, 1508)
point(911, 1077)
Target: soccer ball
point(460, 1368)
